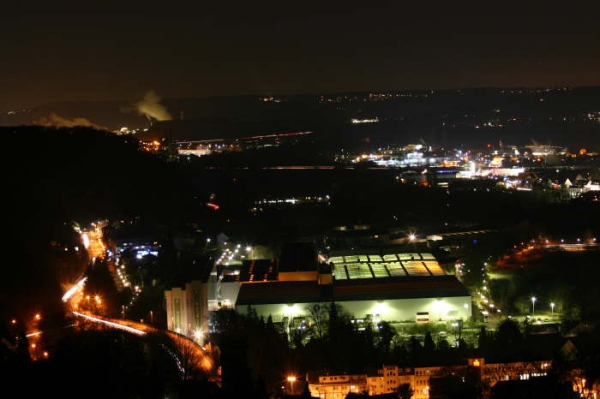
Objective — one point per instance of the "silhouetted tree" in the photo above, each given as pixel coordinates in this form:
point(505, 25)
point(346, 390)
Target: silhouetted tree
point(251, 313)
point(305, 391)
point(466, 386)
point(508, 341)
point(405, 391)
point(415, 351)
point(428, 354)
point(386, 333)
point(483, 342)
point(318, 315)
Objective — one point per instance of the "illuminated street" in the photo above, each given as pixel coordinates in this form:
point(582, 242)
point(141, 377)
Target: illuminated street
point(194, 356)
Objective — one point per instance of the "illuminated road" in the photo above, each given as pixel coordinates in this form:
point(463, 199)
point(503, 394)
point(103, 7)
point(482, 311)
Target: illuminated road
point(582, 246)
point(92, 240)
point(191, 358)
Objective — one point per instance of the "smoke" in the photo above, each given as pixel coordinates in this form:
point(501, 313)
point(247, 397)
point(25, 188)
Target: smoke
point(56, 120)
point(151, 107)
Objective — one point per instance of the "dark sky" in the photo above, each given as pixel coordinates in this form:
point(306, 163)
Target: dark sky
point(84, 50)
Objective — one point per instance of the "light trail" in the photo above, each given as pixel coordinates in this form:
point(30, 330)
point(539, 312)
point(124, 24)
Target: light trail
point(111, 324)
point(188, 354)
point(69, 294)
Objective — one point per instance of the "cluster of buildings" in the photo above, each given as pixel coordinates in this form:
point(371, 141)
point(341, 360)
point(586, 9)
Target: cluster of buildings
point(421, 379)
point(503, 156)
point(220, 145)
point(521, 168)
point(393, 286)
point(517, 167)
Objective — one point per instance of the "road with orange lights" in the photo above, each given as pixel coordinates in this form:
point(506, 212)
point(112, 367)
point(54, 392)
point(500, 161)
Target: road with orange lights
point(191, 357)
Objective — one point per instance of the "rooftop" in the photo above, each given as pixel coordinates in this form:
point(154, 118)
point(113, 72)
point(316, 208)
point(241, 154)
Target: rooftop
point(350, 267)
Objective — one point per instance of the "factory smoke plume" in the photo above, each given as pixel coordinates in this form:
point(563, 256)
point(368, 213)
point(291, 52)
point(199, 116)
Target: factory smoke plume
point(151, 107)
point(56, 120)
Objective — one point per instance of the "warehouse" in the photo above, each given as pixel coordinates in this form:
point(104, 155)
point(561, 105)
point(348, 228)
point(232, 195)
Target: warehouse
point(395, 287)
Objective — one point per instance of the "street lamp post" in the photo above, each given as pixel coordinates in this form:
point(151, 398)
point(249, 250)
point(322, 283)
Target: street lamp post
point(552, 305)
point(533, 299)
point(291, 379)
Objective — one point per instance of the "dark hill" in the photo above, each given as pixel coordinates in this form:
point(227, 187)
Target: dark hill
point(468, 117)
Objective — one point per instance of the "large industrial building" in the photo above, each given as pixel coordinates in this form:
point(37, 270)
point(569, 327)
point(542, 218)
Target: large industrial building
point(395, 287)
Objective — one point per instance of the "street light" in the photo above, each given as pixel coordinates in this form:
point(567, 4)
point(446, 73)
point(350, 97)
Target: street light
point(552, 305)
point(198, 335)
point(533, 299)
point(291, 379)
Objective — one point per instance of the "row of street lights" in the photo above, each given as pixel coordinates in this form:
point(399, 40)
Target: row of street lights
point(534, 300)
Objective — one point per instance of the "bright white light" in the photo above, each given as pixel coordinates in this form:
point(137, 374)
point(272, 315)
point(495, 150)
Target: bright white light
point(86, 240)
point(380, 308)
point(441, 308)
point(291, 310)
point(73, 290)
point(111, 324)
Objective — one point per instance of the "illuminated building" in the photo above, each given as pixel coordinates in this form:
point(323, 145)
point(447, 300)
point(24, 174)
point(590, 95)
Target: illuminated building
point(392, 287)
point(187, 309)
point(395, 287)
point(420, 379)
point(542, 150)
point(337, 386)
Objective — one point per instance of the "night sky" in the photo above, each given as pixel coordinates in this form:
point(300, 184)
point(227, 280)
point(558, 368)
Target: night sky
point(57, 51)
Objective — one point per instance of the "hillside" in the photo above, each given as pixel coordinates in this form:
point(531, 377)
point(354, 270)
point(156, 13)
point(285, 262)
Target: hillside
point(470, 117)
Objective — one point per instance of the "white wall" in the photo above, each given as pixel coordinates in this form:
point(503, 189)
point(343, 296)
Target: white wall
point(396, 310)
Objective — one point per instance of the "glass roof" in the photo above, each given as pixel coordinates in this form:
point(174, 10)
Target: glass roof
point(351, 267)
